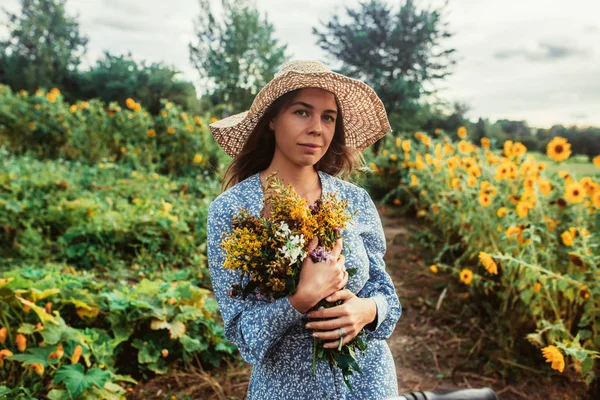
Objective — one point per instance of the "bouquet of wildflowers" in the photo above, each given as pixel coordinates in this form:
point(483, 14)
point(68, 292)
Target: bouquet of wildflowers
point(268, 254)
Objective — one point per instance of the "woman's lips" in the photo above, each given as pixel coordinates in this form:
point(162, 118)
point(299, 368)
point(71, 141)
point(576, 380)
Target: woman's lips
point(310, 148)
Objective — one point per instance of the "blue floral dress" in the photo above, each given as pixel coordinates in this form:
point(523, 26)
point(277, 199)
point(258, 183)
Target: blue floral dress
point(271, 335)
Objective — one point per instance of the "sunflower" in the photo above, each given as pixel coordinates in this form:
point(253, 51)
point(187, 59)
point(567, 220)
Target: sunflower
point(575, 192)
point(414, 181)
point(554, 356)
point(518, 149)
point(433, 268)
point(488, 263)
point(558, 149)
point(588, 184)
point(596, 161)
point(508, 148)
point(472, 181)
point(455, 183)
point(151, 133)
point(523, 208)
point(462, 132)
point(584, 292)
point(419, 162)
point(502, 212)
point(398, 142)
point(484, 200)
point(465, 147)
point(406, 146)
point(485, 143)
point(567, 238)
point(596, 199)
point(466, 276)
point(537, 287)
point(545, 186)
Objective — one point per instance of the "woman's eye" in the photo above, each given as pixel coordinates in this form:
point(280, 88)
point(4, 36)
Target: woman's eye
point(331, 119)
point(301, 111)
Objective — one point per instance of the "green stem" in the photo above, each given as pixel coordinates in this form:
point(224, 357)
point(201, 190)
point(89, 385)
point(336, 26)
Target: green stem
point(540, 269)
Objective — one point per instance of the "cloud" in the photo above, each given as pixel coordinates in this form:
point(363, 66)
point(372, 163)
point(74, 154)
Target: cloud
point(546, 51)
point(591, 29)
point(579, 116)
point(125, 24)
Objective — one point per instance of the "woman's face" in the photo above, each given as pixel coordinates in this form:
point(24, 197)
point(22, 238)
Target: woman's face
point(304, 128)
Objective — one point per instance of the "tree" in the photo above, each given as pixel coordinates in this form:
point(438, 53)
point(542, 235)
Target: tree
point(396, 53)
point(115, 78)
point(236, 56)
point(479, 130)
point(44, 48)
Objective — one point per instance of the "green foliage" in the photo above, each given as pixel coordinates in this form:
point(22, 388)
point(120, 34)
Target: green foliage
point(171, 142)
point(103, 216)
point(394, 52)
point(77, 381)
point(542, 289)
point(115, 78)
point(44, 48)
point(121, 328)
point(237, 55)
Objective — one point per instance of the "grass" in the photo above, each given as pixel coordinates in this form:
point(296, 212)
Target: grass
point(578, 166)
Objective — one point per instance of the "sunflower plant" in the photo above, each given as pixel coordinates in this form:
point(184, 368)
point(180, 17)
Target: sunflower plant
point(527, 237)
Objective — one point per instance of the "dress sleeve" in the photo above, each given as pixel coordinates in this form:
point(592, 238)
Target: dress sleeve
point(379, 287)
point(252, 325)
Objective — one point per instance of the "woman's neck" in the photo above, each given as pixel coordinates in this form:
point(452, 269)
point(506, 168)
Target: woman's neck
point(298, 177)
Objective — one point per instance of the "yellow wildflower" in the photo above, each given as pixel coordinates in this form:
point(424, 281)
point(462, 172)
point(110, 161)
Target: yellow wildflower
point(488, 263)
point(553, 355)
point(466, 276)
point(558, 149)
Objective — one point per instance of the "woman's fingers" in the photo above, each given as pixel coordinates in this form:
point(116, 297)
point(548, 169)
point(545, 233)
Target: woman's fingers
point(337, 249)
point(312, 244)
point(343, 294)
point(336, 343)
point(332, 337)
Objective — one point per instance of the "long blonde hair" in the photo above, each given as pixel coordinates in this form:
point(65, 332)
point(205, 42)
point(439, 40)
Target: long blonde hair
point(258, 151)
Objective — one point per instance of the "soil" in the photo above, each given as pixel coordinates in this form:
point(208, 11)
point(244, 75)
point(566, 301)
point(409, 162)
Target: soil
point(435, 348)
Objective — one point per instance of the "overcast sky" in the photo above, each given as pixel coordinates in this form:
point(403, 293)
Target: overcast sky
point(537, 60)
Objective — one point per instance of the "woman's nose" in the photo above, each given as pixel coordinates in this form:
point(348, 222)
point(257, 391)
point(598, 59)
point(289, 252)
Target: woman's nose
point(317, 127)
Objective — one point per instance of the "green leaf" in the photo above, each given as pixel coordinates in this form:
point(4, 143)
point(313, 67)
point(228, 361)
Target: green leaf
point(192, 345)
point(526, 295)
point(147, 352)
point(56, 394)
point(585, 334)
point(26, 329)
point(54, 334)
point(76, 381)
point(34, 355)
point(587, 365)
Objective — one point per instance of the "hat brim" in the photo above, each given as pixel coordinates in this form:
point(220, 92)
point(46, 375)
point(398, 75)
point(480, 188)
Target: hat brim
point(364, 116)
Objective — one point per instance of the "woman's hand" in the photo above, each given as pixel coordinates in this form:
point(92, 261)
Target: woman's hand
point(319, 280)
point(352, 315)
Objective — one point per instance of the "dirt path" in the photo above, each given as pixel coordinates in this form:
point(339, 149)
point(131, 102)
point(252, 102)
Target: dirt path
point(429, 354)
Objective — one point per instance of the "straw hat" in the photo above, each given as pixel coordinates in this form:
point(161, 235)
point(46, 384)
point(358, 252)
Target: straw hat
point(364, 116)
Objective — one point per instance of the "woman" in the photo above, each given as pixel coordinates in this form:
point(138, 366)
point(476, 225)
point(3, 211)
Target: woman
point(309, 124)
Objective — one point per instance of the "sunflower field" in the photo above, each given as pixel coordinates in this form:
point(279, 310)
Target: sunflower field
point(103, 274)
point(522, 240)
